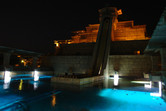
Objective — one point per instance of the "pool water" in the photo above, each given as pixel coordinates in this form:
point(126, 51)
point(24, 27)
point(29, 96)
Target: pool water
point(26, 95)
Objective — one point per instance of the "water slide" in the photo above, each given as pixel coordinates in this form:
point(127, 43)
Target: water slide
point(108, 17)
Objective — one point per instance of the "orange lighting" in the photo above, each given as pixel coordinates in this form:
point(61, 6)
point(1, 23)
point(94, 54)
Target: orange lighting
point(53, 100)
point(16, 65)
point(138, 52)
point(22, 61)
point(57, 44)
point(119, 12)
point(18, 56)
point(124, 31)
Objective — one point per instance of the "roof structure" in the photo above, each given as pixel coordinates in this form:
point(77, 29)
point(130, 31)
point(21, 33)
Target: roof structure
point(4, 49)
point(158, 39)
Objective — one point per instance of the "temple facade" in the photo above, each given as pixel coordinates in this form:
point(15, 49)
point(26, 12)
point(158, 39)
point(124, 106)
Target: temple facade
point(122, 31)
point(125, 34)
point(126, 52)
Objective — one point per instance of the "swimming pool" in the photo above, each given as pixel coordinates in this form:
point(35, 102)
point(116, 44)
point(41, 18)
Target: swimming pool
point(27, 95)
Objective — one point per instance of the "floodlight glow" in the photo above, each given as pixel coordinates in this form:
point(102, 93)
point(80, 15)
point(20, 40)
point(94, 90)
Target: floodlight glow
point(36, 76)
point(116, 79)
point(159, 94)
point(7, 77)
point(141, 82)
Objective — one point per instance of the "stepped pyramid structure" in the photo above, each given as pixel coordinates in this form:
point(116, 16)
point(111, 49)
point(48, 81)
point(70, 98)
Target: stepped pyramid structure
point(103, 49)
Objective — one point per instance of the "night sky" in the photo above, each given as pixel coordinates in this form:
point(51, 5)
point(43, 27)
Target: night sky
point(34, 25)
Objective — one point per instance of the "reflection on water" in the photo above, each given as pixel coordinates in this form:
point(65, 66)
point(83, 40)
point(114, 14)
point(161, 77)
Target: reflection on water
point(6, 85)
point(101, 96)
point(35, 85)
point(53, 100)
point(20, 85)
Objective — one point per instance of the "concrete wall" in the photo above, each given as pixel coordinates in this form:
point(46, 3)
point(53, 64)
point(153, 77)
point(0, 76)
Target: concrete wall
point(67, 64)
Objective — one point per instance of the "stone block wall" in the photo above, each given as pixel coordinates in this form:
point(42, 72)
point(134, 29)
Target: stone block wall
point(127, 47)
point(68, 64)
point(76, 49)
point(126, 65)
point(131, 65)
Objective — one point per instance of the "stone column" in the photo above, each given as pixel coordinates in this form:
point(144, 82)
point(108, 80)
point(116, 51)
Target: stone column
point(6, 59)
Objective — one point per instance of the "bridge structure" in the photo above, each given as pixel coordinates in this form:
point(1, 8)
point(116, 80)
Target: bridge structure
point(9, 73)
point(7, 52)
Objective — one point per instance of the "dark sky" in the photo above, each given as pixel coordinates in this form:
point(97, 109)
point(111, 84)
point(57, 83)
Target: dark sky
point(33, 25)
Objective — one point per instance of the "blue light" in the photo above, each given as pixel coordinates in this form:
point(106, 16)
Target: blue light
point(132, 100)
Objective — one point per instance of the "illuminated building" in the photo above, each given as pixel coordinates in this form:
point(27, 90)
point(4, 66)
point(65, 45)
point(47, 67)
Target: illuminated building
point(126, 50)
point(123, 31)
point(124, 34)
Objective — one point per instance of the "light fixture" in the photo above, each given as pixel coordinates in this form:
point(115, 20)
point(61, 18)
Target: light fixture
point(36, 75)
point(7, 77)
point(116, 79)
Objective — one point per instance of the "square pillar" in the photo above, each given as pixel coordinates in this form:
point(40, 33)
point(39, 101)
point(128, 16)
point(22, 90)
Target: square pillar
point(34, 64)
point(6, 59)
